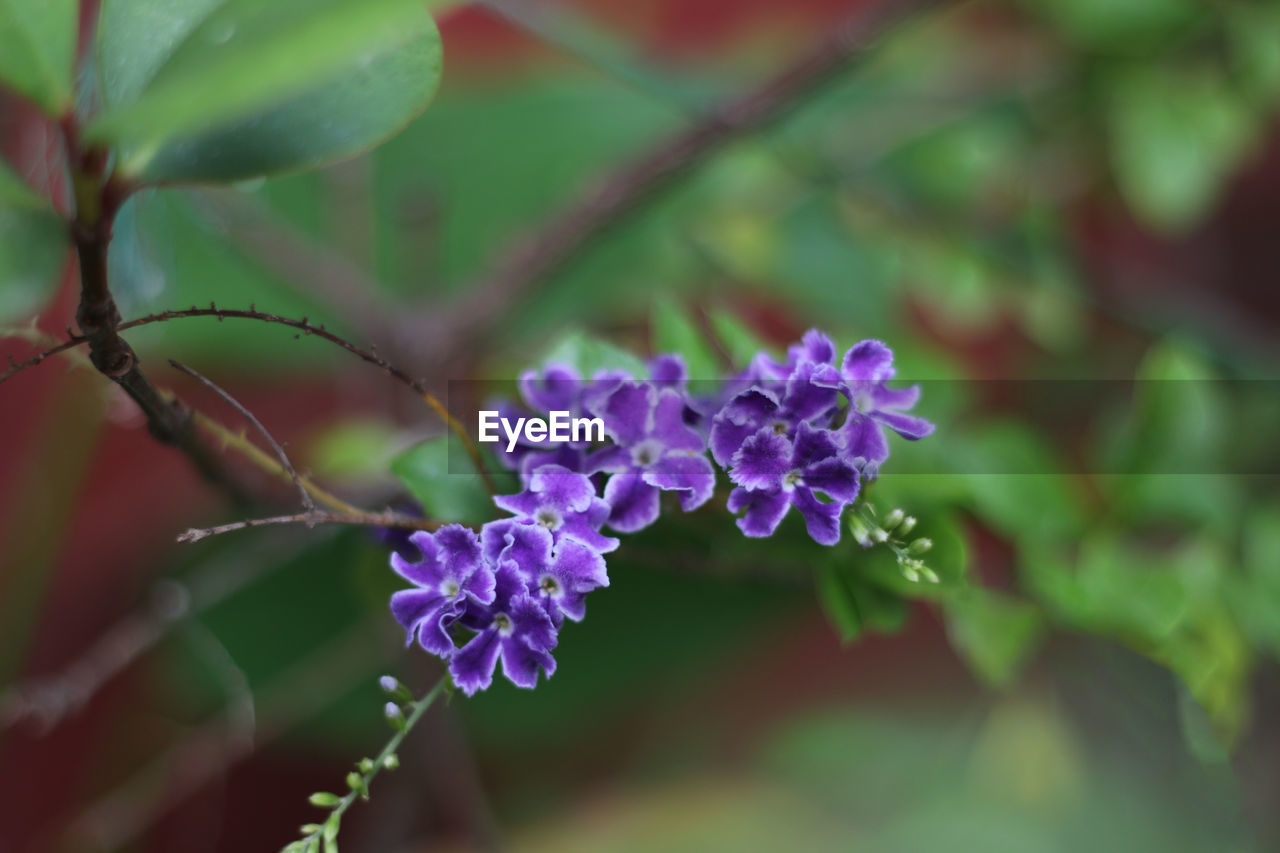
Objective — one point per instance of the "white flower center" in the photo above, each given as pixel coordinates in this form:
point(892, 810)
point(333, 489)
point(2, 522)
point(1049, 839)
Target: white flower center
point(450, 588)
point(549, 585)
point(779, 427)
point(503, 621)
point(549, 517)
point(791, 479)
point(646, 452)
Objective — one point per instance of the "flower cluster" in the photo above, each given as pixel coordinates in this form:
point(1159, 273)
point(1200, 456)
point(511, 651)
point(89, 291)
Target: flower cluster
point(802, 433)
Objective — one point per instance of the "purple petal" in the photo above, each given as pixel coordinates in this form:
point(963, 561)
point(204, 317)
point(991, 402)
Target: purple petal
point(520, 663)
point(493, 538)
point(472, 665)
point(868, 361)
point(688, 473)
point(628, 413)
point(834, 477)
point(668, 371)
point(765, 510)
point(425, 572)
point(761, 461)
point(579, 529)
point(556, 390)
point(669, 426)
point(907, 426)
point(426, 615)
point(738, 421)
point(633, 502)
point(814, 346)
point(821, 519)
point(459, 550)
point(826, 376)
point(804, 399)
point(529, 547)
point(481, 586)
point(577, 570)
point(611, 460)
point(813, 444)
point(530, 622)
point(884, 397)
point(864, 438)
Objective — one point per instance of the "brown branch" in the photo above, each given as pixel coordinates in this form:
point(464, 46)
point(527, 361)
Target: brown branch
point(98, 197)
point(307, 504)
point(307, 328)
point(313, 517)
point(546, 249)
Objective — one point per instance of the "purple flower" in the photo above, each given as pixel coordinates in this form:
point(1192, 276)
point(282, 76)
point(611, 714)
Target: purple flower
point(556, 388)
point(862, 377)
point(565, 503)
point(814, 347)
point(451, 576)
point(773, 473)
point(514, 627)
point(799, 400)
point(654, 450)
point(558, 574)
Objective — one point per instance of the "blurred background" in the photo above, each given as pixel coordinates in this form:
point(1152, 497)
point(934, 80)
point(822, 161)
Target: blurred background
point(1032, 190)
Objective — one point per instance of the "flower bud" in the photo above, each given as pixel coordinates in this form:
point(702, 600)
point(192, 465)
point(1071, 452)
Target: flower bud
point(324, 800)
point(394, 716)
point(908, 524)
point(893, 519)
point(860, 533)
point(879, 536)
point(920, 546)
point(391, 762)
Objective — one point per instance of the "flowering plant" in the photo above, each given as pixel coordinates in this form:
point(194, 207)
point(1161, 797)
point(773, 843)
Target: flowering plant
point(801, 433)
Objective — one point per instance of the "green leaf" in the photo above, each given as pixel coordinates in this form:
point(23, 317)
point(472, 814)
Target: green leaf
point(38, 50)
point(33, 248)
point(244, 88)
point(994, 633)
point(675, 331)
point(589, 355)
point(1176, 137)
point(446, 487)
point(737, 338)
point(838, 603)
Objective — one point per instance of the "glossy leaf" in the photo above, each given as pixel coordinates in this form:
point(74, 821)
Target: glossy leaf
point(443, 485)
point(243, 88)
point(37, 50)
point(33, 248)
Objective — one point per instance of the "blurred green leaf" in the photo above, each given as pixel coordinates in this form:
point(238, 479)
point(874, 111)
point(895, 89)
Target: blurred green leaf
point(444, 492)
point(38, 50)
point(1176, 137)
point(738, 340)
point(994, 633)
point(353, 449)
point(1128, 26)
point(1254, 31)
point(33, 248)
point(589, 355)
point(851, 604)
point(241, 88)
point(675, 331)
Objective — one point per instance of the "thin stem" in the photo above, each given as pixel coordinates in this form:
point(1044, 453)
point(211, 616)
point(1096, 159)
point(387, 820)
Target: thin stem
point(307, 328)
point(307, 503)
point(313, 517)
point(265, 463)
point(419, 708)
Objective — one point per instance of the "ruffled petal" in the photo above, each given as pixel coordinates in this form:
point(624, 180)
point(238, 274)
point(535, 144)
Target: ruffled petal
point(690, 474)
point(761, 461)
point(765, 510)
point(907, 426)
point(821, 519)
point(868, 361)
point(633, 502)
point(472, 665)
point(836, 478)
